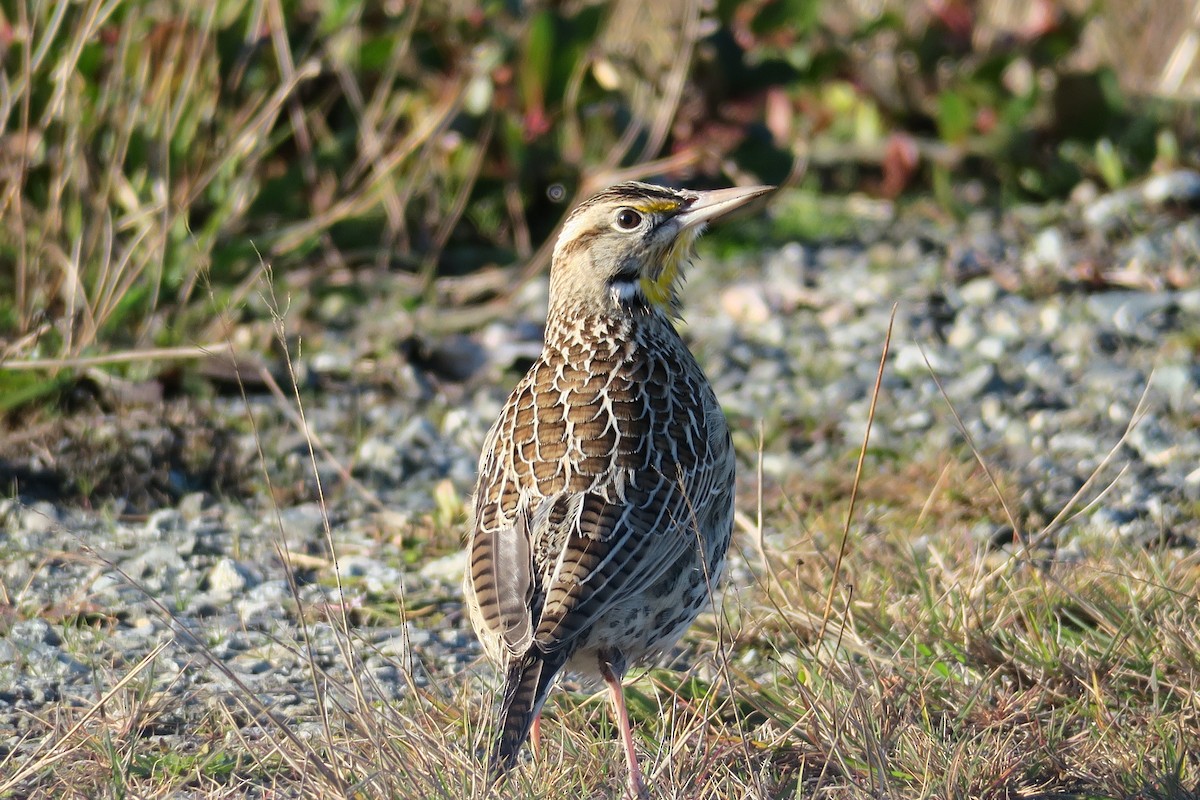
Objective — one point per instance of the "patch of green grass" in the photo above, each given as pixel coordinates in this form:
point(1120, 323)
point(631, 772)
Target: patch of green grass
point(18, 389)
point(170, 767)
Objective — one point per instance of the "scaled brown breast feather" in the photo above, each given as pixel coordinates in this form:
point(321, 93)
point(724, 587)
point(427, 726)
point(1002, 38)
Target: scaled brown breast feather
point(586, 477)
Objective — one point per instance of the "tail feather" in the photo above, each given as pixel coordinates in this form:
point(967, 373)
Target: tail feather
point(525, 688)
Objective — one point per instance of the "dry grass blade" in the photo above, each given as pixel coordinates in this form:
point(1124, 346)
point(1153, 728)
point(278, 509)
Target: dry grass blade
point(979, 459)
point(127, 357)
point(858, 473)
point(296, 416)
point(1068, 509)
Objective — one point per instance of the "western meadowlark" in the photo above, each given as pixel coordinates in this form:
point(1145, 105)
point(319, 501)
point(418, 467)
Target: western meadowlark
point(605, 497)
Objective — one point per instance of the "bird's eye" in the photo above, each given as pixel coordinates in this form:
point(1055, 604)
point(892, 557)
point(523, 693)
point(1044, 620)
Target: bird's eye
point(628, 219)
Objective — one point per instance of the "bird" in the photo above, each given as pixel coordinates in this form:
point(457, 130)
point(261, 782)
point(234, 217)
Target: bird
point(604, 503)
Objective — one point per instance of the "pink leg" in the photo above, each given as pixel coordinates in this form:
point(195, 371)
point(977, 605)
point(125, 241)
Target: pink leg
point(535, 736)
point(637, 786)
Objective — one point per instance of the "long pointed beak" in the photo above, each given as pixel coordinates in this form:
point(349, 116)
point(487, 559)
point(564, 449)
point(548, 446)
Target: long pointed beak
point(709, 205)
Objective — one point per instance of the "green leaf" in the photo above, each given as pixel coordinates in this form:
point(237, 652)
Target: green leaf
point(787, 15)
point(535, 63)
point(954, 117)
point(1108, 164)
point(21, 388)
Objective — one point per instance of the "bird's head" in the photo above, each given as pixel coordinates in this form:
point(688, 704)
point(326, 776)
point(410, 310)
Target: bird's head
point(625, 247)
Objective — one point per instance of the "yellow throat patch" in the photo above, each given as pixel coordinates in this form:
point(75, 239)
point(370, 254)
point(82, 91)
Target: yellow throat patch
point(659, 288)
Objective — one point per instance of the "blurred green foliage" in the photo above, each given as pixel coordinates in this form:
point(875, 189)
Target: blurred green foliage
point(156, 156)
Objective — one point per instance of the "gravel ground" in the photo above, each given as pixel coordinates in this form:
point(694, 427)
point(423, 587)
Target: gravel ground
point(1049, 329)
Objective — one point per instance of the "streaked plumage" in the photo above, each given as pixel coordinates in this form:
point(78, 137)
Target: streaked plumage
point(605, 497)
